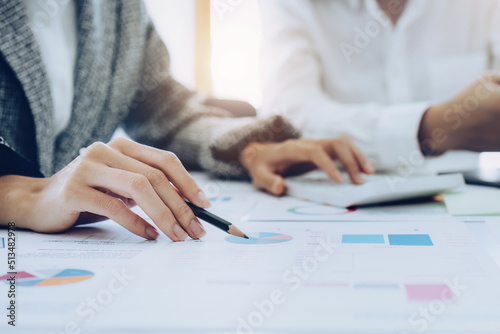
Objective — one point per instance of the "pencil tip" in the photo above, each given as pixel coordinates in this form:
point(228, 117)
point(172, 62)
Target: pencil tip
point(235, 231)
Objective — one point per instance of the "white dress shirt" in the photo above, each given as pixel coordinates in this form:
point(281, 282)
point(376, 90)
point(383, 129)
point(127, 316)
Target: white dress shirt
point(341, 67)
point(54, 26)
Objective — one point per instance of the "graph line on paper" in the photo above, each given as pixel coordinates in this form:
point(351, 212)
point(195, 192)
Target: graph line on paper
point(318, 210)
point(260, 238)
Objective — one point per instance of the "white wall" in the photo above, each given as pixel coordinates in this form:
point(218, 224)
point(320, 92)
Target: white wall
point(175, 22)
point(236, 35)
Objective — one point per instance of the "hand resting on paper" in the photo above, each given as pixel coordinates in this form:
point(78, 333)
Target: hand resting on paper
point(103, 181)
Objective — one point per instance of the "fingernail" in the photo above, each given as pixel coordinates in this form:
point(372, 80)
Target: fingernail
point(179, 232)
point(197, 229)
point(358, 179)
point(203, 200)
point(338, 176)
point(370, 166)
point(275, 187)
point(151, 233)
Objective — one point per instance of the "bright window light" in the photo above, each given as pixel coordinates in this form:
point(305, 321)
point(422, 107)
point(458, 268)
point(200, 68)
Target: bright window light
point(235, 33)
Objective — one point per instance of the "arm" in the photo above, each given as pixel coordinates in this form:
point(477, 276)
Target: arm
point(103, 181)
point(171, 117)
point(471, 119)
point(26, 176)
point(106, 178)
point(291, 73)
point(292, 84)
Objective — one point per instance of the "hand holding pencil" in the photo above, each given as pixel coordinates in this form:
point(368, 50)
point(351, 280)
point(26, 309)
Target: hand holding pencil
point(214, 220)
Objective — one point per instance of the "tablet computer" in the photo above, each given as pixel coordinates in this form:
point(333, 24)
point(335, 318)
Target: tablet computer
point(485, 177)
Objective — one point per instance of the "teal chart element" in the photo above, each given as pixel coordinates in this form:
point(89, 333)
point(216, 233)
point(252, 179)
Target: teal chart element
point(363, 239)
point(260, 238)
point(410, 240)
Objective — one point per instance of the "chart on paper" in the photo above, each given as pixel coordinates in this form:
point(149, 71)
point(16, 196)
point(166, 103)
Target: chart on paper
point(260, 238)
point(270, 208)
point(49, 277)
point(337, 274)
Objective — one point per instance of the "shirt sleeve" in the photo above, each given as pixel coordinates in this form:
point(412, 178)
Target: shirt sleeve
point(495, 36)
point(167, 115)
point(292, 85)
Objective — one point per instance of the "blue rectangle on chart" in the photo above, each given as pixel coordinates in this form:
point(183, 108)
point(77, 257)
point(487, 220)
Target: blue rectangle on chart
point(363, 239)
point(410, 240)
point(3, 243)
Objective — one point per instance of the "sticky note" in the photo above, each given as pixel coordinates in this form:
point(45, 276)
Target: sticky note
point(474, 200)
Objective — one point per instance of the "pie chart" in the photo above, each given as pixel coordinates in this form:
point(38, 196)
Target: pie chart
point(260, 238)
point(49, 277)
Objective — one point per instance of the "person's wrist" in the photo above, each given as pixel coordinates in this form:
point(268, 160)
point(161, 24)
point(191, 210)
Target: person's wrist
point(18, 199)
point(249, 154)
point(436, 136)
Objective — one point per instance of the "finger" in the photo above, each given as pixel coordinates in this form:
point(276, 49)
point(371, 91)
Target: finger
point(130, 203)
point(264, 178)
point(310, 152)
point(137, 187)
point(162, 186)
point(322, 160)
point(102, 204)
point(364, 164)
point(169, 164)
point(493, 77)
point(369, 167)
point(127, 201)
point(345, 155)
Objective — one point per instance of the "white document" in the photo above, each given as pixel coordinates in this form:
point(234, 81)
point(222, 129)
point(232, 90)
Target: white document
point(287, 208)
point(371, 277)
point(316, 186)
point(494, 226)
point(60, 276)
point(372, 274)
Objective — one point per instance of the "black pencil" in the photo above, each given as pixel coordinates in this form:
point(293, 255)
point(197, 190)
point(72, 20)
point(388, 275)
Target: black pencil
point(216, 220)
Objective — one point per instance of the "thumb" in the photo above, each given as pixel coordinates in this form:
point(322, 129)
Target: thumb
point(264, 178)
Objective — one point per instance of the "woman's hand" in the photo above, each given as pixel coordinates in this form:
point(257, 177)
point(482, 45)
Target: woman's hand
point(102, 181)
point(267, 162)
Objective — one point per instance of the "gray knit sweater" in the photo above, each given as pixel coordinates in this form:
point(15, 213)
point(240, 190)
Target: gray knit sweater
point(121, 79)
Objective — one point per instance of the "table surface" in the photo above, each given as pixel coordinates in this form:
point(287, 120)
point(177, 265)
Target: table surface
point(382, 274)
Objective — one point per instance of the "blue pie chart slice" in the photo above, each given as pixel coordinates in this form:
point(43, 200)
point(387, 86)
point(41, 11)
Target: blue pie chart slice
point(260, 238)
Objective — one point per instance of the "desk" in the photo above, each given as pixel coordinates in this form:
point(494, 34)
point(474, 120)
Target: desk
point(388, 269)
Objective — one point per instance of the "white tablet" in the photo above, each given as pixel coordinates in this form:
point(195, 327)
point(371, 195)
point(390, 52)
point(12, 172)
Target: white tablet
point(316, 186)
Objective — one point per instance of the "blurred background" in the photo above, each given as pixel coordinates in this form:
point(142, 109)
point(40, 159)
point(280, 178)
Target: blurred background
point(214, 45)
